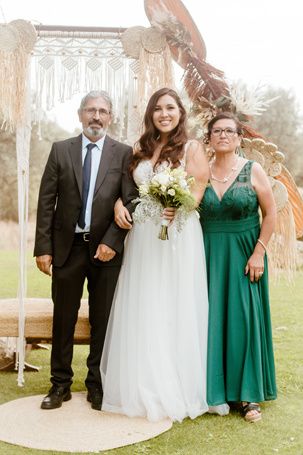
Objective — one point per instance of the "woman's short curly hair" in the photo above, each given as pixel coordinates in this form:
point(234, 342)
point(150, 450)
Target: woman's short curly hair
point(221, 116)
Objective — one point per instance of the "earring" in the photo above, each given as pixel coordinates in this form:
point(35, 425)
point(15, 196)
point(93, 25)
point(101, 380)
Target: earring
point(240, 152)
point(210, 152)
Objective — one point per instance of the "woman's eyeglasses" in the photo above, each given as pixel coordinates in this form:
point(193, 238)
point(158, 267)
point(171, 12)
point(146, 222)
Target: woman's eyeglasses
point(229, 132)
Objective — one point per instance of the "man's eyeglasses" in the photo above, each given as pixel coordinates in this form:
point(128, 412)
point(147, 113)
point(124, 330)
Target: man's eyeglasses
point(91, 111)
point(229, 132)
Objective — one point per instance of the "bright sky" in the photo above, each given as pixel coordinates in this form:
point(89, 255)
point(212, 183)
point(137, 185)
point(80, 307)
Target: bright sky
point(258, 41)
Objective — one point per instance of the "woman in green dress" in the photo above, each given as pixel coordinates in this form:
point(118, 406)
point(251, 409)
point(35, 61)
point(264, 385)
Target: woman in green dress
point(240, 351)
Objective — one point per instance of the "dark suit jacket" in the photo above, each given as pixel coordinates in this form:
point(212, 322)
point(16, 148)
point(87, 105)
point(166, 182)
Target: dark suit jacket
point(60, 201)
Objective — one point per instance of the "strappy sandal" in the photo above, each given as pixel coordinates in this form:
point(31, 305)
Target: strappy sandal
point(246, 408)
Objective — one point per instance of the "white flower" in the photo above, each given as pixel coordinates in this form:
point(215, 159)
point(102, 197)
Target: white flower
point(162, 178)
point(143, 189)
point(183, 183)
point(171, 192)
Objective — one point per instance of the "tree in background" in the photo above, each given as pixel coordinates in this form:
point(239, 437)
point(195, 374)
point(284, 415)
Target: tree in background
point(281, 124)
point(39, 151)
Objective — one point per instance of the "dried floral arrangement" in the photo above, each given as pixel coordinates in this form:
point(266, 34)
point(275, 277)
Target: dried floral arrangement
point(210, 93)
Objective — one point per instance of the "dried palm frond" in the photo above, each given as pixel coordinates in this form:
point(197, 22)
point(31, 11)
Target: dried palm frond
point(204, 80)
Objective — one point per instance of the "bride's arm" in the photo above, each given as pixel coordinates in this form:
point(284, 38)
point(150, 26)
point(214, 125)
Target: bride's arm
point(197, 166)
point(122, 215)
point(124, 220)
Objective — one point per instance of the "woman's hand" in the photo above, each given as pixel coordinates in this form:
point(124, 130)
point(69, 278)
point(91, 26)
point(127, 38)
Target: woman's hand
point(169, 214)
point(255, 266)
point(122, 215)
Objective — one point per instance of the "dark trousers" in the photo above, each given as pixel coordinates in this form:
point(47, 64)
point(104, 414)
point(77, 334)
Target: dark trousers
point(67, 289)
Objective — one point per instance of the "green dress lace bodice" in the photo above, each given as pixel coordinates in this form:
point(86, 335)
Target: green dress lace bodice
point(239, 200)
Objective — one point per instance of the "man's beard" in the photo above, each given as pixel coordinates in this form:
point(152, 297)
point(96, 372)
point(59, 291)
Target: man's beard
point(95, 132)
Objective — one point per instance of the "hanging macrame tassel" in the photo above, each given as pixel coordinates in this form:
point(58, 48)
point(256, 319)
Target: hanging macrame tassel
point(23, 147)
point(94, 78)
point(69, 80)
point(45, 83)
point(155, 72)
point(13, 67)
point(118, 86)
point(282, 248)
point(134, 120)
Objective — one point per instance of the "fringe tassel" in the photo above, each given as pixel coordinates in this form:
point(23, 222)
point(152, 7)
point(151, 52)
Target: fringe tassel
point(70, 79)
point(13, 71)
point(134, 121)
point(23, 135)
point(9, 346)
point(282, 248)
point(94, 75)
point(44, 87)
point(155, 72)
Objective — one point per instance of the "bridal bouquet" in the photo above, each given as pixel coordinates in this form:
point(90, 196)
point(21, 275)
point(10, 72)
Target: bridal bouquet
point(169, 188)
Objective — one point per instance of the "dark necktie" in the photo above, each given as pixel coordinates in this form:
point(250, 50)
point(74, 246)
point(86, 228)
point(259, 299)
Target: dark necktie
point(86, 171)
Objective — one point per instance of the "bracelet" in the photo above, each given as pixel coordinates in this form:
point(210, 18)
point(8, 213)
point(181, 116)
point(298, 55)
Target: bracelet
point(261, 243)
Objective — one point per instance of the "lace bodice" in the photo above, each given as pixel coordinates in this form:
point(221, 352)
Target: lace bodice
point(145, 170)
point(238, 202)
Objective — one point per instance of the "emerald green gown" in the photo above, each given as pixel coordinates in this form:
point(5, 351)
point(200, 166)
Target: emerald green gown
point(240, 363)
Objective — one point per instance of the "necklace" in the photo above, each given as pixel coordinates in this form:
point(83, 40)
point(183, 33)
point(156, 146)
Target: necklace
point(228, 176)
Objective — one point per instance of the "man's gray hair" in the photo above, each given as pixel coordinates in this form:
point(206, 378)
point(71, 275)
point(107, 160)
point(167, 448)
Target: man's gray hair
point(96, 94)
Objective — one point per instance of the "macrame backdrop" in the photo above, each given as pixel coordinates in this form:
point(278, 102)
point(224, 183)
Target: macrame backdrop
point(68, 62)
point(71, 61)
point(57, 63)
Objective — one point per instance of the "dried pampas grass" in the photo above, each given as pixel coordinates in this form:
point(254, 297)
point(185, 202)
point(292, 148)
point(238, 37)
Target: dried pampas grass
point(16, 42)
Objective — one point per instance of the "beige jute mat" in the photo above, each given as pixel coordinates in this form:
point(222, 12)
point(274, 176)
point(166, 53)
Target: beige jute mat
point(75, 427)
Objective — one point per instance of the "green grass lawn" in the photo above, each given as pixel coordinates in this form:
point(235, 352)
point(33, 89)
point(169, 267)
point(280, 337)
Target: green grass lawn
point(280, 431)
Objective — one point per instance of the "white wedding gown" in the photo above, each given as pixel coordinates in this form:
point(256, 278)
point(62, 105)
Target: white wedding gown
point(154, 357)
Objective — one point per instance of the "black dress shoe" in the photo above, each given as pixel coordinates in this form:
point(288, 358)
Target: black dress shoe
point(55, 397)
point(95, 396)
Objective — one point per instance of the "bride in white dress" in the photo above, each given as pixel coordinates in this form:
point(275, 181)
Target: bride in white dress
point(154, 357)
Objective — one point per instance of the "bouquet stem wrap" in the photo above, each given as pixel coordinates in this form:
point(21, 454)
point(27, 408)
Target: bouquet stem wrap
point(163, 234)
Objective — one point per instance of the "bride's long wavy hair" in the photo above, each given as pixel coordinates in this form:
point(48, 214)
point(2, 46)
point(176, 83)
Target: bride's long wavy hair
point(173, 150)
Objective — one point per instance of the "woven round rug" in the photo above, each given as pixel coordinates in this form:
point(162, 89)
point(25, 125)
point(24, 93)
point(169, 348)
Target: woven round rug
point(75, 427)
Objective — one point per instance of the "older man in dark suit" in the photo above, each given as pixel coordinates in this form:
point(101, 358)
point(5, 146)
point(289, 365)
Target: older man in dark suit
point(77, 238)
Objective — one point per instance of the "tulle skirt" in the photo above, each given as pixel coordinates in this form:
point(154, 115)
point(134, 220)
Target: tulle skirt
point(154, 357)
